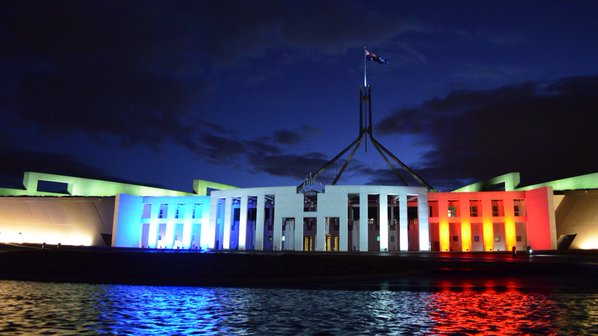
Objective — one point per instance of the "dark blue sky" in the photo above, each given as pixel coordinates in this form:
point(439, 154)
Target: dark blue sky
point(260, 93)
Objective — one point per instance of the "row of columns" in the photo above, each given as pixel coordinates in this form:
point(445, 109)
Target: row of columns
point(299, 215)
point(487, 218)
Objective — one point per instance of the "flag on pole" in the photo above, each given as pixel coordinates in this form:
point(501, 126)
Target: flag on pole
point(370, 56)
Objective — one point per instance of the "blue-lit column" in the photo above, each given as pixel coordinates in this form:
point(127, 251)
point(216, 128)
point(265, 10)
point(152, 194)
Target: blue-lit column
point(298, 234)
point(228, 217)
point(243, 223)
point(363, 222)
point(424, 225)
point(403, 223)
point(153, 230)
point(259, 222)
point(383, 218)
point(321, 233)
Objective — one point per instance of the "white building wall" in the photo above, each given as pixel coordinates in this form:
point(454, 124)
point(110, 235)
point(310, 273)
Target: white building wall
point(332, 203)
point(424, 226)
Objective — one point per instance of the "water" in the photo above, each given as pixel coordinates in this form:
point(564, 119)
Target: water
point(76, 309)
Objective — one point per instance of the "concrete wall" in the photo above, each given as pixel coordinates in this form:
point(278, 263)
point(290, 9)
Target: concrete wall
point(578, 214)
point(53, 220)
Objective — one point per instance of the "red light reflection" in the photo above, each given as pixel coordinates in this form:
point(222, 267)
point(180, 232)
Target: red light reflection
point(489, 308)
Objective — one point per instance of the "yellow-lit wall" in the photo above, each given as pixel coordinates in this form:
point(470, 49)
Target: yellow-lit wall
point(577, 214)
point(53, 220)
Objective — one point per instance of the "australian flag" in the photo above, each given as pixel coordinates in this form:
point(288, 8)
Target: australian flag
point(370, 56)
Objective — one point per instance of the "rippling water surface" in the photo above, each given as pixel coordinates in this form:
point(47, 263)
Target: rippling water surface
point(53, 308)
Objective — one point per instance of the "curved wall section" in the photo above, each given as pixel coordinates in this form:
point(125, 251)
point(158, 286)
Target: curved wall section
point(53, 220)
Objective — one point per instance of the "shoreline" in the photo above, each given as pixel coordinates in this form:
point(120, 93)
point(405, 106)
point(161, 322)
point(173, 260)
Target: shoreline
point(544, 270)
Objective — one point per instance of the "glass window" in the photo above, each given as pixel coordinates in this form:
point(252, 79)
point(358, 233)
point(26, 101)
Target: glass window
point(497, 208)
point(453, 208)
point(147, 211)
point(197, 210)
point(519, 207)
point(452, 211)
point(179, 211)
point(163, 211)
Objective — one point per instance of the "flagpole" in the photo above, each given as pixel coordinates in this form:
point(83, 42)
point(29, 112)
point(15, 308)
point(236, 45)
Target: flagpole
point(365, 71)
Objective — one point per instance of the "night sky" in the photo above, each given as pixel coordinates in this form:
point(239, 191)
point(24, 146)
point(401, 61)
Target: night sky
point(260, 93)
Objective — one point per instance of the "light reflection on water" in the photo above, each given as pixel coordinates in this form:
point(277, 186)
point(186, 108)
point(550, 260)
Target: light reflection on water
point(50, 308)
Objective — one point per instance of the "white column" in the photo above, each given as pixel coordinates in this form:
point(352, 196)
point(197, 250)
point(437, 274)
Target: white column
point(187, 217)
point(363, 222)
point(343, 228)
point(424, 227)
point(320, 233)
point(169, 240)
point(210, 238)
point(298, 234)
point(403, 233)
point(259, 222)
point(383, 217)
point(228, 216)
point(243, 223)
point(277, 231)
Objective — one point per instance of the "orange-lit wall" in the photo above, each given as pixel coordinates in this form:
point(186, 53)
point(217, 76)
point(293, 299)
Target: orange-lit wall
point(539, 218)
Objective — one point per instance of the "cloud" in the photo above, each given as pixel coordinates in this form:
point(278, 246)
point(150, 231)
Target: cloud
point(544, 130)
point(310, 27)
point(289, 165)
point(139, 72)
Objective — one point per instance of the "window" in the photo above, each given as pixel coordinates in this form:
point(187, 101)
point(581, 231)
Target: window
point(519, 207)
point(163, 211)
point(179, 211)
point(197, 210)
point(476, 238)
point(452, 211)
point(147, 211)
point(518, 238)
point(455, 238)
point(392, 239)
point(497, 208)
point(497, 238)
point(453, 208)
point(474, 208)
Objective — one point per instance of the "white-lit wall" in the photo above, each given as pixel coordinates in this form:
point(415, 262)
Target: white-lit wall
point(332, 203)
point(53, 220)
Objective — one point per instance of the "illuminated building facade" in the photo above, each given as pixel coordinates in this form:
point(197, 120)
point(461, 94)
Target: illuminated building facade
point(340, 218)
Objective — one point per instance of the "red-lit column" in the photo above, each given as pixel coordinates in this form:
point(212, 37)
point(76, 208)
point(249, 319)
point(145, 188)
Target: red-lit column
point(487, 228)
